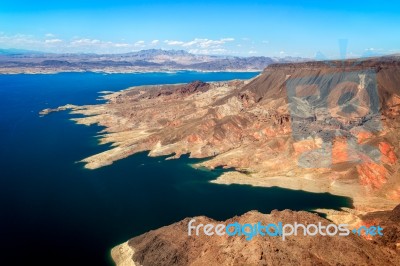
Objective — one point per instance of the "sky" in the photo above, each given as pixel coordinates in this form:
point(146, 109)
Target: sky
point(312, 29)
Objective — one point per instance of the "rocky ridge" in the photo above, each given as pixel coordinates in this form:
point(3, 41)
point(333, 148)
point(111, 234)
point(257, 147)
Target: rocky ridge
point(171, 245)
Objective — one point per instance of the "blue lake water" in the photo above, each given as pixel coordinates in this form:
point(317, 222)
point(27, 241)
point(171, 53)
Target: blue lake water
point(52, 207)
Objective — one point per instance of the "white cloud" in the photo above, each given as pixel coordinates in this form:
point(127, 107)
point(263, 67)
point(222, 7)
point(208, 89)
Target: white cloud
point(121, 45)
point(253, 52)
point(53, 41)
point(50, 43)
point(17, 40)
point(21, 41)
point(139, 44)
point(95, 43)
point(374, 49)
point(201, 43)
point(173, 42)
point(209, 51)
point(85, 42)
point(205, 43)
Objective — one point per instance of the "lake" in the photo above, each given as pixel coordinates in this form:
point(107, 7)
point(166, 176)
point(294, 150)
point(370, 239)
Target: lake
point(51, 207)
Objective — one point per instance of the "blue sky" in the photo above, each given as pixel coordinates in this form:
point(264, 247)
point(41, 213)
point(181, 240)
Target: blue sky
point(270, 28)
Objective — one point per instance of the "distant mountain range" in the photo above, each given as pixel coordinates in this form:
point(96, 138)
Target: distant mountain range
point(25, 61)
